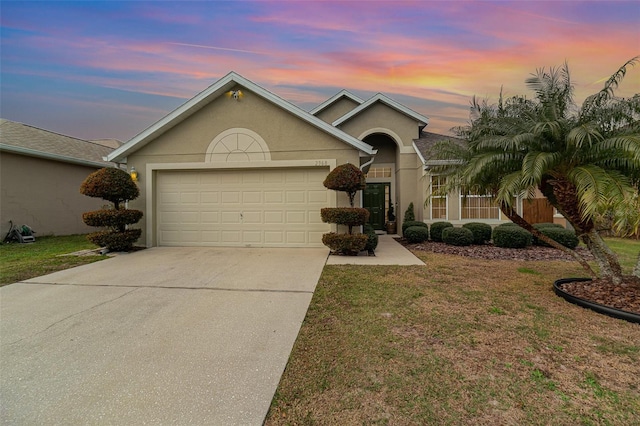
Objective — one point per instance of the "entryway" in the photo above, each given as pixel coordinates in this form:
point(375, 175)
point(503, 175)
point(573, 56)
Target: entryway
point(376, 200)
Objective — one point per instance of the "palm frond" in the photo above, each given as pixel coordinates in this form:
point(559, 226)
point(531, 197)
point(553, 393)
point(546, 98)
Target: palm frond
point(584, 135)
point(608, 91)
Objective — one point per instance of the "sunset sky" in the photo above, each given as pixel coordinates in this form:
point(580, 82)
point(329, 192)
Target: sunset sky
point(108, 69)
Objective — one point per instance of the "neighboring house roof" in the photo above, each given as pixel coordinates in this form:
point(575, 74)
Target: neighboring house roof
point(217, 89)
point(426, 146)
point(27, 140)
point(379, 97)
point(111, 143)
point(335, 98)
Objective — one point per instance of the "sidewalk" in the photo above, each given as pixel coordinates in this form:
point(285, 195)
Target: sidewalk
point(388, 252)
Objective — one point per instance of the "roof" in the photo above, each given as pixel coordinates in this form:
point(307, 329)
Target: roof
point(27, 140)
point(217, 89)
point(335, 98)
point(426, 144)
point(379, 97)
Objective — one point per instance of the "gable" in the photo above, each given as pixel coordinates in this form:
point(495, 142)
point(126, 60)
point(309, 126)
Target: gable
point(337, 106)
point(215, 94)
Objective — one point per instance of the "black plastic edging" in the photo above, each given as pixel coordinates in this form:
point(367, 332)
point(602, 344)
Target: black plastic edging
point(602, 309)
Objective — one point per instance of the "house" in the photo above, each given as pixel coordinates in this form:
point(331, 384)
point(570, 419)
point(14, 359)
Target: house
point(40, 177)
point(237, 165)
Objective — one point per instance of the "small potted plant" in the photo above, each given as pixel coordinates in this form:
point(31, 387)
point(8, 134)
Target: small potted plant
point(391, 225)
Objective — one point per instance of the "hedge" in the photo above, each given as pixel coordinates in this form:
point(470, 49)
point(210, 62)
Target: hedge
point(511, 237)
point(457, 236)
point(115, 241)
point(481, 231)
point(436, 230)
point(416, 234)
point(566, 237)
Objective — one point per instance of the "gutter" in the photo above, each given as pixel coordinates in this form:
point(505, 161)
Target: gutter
point(50, 156)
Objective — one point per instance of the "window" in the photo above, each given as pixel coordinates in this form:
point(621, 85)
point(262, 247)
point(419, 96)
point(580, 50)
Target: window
point(478, 207)
point(379, 172)
point(438, 197)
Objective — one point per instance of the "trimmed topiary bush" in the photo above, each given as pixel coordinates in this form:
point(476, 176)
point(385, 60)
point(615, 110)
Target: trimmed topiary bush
point(566, 237)
point(511, 237)
point(407, 224)
point(116, 186)
point(436, 230)
point(457, 236)
point(349, 244)
point(416, 234)
point(346, 178)
point(481, 232)
point(409, 215)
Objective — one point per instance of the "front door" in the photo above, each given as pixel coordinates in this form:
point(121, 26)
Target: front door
point(376, 200)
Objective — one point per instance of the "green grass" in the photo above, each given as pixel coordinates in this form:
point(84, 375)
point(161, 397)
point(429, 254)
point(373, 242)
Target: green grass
point(460, 341)
point(23, 261)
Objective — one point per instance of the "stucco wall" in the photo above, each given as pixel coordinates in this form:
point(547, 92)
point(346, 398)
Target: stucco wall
point(287, 138)
point(44, 194)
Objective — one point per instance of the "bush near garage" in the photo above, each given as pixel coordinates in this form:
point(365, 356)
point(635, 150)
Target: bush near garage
point(436, 230)
point(116, 186)
point(407, 224)
point(349, 216)
point(416, 234)
point(511, 236)
point(481, 232)
point(457, 236)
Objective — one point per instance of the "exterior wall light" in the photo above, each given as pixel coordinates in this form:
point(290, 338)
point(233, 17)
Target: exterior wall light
point(134, 174)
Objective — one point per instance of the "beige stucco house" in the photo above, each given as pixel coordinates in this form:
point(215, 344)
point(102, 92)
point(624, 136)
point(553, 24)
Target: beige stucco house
point(239, 166)
point(40, 177)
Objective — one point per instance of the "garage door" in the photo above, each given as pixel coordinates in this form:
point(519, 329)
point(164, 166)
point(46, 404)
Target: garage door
point(255, 207)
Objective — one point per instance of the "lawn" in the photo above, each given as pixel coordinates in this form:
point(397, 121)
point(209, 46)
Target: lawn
point(23, 261)
point(460, 341)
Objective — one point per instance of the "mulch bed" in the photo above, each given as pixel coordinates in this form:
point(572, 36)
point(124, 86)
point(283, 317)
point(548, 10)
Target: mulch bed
point(625, 296)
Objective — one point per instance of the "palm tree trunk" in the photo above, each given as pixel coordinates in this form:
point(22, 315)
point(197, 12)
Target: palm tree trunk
point(519, 220)
point(607, 259)
point(636, 270)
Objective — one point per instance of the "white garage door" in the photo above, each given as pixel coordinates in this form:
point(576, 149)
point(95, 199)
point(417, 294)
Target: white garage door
point(255, 207)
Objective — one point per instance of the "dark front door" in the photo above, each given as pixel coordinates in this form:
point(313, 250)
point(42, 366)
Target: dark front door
point(376, 198)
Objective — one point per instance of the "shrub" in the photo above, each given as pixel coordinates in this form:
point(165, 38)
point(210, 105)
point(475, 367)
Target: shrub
point(457, 236)
point(416, 234)
point(111, 184)
point(547, 225)
point(350, 216)
point(372, 238)
point(436, 230)
point(481, 232)
point(112, 218)
point(566, 237)
point(346, 178)
point(115, 241)
point(349, 244)
point(511, 237)
point(407, 224)
point(409, 215)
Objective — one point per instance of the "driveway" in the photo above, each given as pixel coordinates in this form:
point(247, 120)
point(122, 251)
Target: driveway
point(160, 336)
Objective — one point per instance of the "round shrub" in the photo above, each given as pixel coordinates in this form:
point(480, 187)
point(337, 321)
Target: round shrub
point(436, 230)
point(349, 244)
point(457, 236)
point(111, 184)
point(346, 178)
point(407, 224)
point(481, 232)
point(566, 237)
point(511, 237)
point(416, 234)
point(111, 218)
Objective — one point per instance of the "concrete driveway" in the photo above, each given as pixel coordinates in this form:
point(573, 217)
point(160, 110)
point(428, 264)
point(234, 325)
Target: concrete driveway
point(161, 336)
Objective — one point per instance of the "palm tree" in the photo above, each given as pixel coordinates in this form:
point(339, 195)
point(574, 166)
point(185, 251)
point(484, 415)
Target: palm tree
point(580, 158)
